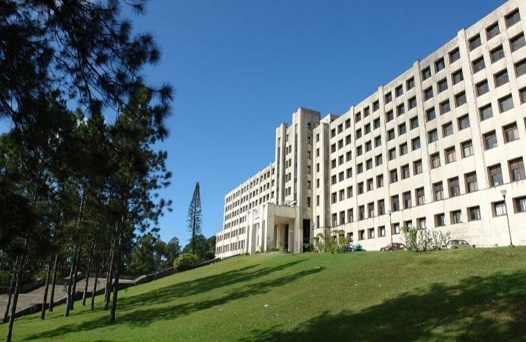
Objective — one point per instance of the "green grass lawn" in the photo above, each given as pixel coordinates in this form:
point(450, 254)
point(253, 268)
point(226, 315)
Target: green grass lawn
point(468, 295)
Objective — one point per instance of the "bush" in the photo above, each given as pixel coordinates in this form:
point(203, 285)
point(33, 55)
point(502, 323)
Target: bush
point(419, 240)
point(186, 261)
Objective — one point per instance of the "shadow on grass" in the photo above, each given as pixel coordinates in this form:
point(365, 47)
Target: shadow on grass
point(478, 309)
point(144, 317)
point(203, 285)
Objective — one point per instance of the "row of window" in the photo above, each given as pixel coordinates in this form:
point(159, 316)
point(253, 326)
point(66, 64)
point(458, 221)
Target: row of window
point(493, 30)
point(495, 178)
point(498, 208)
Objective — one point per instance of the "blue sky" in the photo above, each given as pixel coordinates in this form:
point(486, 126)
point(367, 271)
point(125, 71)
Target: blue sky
point(241, 67)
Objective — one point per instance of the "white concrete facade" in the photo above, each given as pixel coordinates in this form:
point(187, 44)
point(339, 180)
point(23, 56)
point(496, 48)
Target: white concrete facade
point(433, 149)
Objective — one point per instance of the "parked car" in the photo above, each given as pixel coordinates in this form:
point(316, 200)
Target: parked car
point(456, 244)
point(353, 248)
point(395, 246)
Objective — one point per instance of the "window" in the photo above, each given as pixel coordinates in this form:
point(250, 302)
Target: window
point(449, 155)
point(499, 208)
point(407, 199)
point(432, 135)
point(444, 107)
point(379, 181)
point(376, 105)
point(442, 85)
point(519, 204)
point(410, 84)
point(349, 193)
point(413, 122)
point(471, 182)
point(361, 189)
point(381, 207)
point(517, 42)
point(516, 167)
point(501, 78)
point(357, 117)
point(342, 195)
point(482, 87)
point(430, 114)
point(334, 197)
point(447, 129)
point(415, 144)
point(520, 68)
point(404, 171)
point(460, 99)
point(417, 167)
point(388, 97)
point(474, 42)
point(435, 160)
point(467, 148)
point(370, 210)
point(402, 129)
point(439, 65)
point(495, 175)
point(399, 91)
point(474, 213)
point(505, 103)
point(490, 140)
point(369, 164)
point(359, 168)
point(486, 112)
point(367, 128)
point(389, 116)
point(511, 132)
point(378, 160)
point(348, 156)
point(341, 177)
point(393, 176)
point(420, 198)
point(457, 77)
point(370, 184)
point(513, 18)
point(390, 134)
point(426, 73)
point(456, 216)
point(378, 141)
point(496, 54)
point(366, 112)
point(358, 133)
point(463, 122)
point(454, 55)
point(333, 163)
point(421, 223)
point(522, 95)
point(368, 146)
point(395, 203)
point(440, 220)
point(403, 149)
point(347, 123)
point(392, 153)
point(478, 65)
point(492, 31)
point(412, 102)
point(400, 109)
point(453, 186)
point(348, 139)
point(340, 160)
point(428, 93)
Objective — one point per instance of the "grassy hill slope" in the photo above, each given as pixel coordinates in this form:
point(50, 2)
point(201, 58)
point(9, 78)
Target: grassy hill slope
point(477, 294)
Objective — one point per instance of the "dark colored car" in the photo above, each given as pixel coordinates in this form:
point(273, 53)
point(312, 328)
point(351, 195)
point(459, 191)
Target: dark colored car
point(395, 246)
point(353, 248)
point(456, 244)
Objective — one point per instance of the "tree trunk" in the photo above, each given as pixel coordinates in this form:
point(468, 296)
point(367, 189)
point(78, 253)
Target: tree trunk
point(68, 283)
point(53, 283)
point(46, 288)
point(11, 290)
point(74, 287)
point(109, 277)
point(95, 282)
point(117, 269)
point(90, 258)
point(19, 267)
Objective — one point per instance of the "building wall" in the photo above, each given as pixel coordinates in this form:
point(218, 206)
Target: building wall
point(456, 116)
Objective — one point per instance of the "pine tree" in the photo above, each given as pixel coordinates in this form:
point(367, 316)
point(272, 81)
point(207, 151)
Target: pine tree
point(194, 217)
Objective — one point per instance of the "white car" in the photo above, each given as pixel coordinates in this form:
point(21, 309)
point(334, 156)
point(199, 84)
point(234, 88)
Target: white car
point(456, 244)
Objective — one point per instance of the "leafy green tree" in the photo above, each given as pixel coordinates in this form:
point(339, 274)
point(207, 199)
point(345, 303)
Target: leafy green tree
point(204, 248)
point(194, 219)
point(172, 250)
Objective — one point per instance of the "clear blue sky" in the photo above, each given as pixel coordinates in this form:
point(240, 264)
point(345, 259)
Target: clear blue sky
point(241, 67)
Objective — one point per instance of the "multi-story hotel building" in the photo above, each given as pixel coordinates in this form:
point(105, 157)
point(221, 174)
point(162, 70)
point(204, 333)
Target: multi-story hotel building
point(440, 147)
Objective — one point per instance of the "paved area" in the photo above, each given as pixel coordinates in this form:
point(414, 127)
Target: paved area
point(35, 297)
